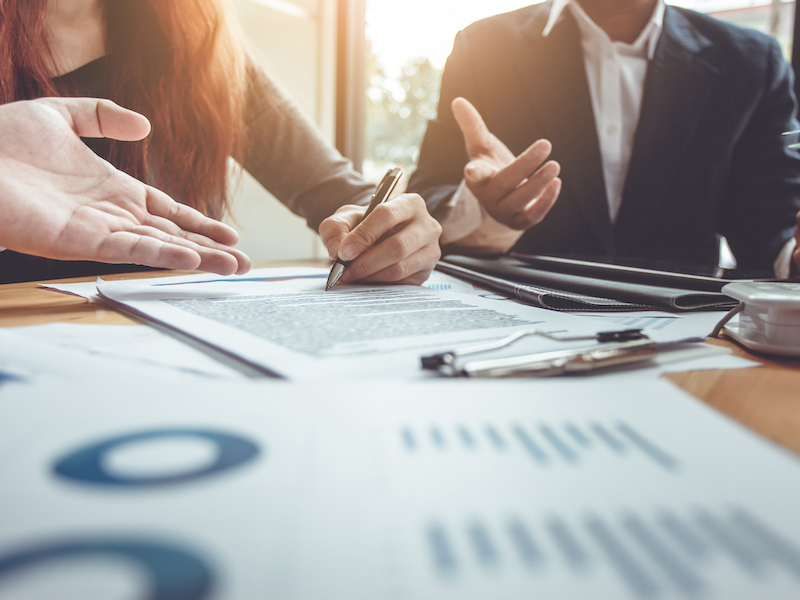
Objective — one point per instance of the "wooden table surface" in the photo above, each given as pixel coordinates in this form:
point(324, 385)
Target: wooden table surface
point(766, 398)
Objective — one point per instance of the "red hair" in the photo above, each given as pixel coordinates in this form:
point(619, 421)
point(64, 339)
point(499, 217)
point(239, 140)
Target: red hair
point(177, 62)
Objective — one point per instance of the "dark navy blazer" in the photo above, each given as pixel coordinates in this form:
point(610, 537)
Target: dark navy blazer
point(708, 158)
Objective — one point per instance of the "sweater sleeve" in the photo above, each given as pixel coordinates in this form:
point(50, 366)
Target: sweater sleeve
point(290, 158)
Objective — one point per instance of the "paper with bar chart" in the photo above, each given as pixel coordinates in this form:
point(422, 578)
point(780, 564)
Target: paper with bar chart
point(511, 489)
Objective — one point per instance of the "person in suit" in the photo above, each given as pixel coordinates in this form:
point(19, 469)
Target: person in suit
point(59, 200)
point(665, 129)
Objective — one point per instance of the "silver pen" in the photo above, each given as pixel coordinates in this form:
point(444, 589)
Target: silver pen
point(382, 193)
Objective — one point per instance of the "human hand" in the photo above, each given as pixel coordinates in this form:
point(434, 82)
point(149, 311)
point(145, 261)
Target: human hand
point(397, 243)
point(516, 191)
point(60, 200)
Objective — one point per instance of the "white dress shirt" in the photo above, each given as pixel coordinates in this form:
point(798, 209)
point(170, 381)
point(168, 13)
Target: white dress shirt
point(615, 73)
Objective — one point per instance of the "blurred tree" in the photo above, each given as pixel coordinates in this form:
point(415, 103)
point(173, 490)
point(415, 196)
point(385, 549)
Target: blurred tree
point(398, 110)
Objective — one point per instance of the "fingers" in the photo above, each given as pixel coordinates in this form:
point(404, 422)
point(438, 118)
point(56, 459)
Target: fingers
point(336, 227)
point(412, 270)
point(537, 209)
point(94, 118)
point(188, 219)
point(477, 137)
point(492, 185)
point(154, 248)
point(519, 199)
point(478, 173)
point(520, 194)
point(178, 225)
point(409, 253)
point(527, 163)
point(128, 247)
point(382, 220)
point(214, 257)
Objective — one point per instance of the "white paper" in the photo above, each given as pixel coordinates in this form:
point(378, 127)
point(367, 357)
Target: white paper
point(88, 289)
point(296, 329)
point(132, 344)
point(514, 489)
point(36, 362)
point(663, 326)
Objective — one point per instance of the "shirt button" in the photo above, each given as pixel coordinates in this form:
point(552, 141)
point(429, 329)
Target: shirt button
point(611, 130)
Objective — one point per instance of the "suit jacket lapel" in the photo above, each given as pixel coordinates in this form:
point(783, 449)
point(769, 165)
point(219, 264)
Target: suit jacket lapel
point(552, 71)
point(676, 90)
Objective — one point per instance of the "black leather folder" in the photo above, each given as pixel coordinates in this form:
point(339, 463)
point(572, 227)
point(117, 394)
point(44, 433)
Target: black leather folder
point(570, 292)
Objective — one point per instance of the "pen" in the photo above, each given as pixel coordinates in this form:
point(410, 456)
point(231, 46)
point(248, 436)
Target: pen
point(381, 194)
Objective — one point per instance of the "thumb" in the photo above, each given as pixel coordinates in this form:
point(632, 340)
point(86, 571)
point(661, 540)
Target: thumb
point(477, 137)
point(477, 172)
point(95, 118)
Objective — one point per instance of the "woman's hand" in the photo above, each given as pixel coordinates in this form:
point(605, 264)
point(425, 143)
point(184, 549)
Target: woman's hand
point(60, 200)
point(397, 243)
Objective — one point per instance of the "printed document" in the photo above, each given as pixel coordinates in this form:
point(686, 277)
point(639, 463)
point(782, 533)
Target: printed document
point(558, 489)
point(294, 328)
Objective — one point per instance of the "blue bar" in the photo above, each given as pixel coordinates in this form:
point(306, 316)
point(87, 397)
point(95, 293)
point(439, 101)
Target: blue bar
point(635, 576)
point(496, 439)
point(408, 440)
point(466, 437)
point(738, 551)
point(438, 438)
point(684, 578)
point(610, 440)
point(578, 435)
point(529, 445)
point(649, 322)
point(482, 543)
point(687, 540)
point(633, 322)
point(648, 447)
point(560, 445)
point(443, 556)
point(528, 549)
point(666, 322)
point(776, 546)
point(569, 547)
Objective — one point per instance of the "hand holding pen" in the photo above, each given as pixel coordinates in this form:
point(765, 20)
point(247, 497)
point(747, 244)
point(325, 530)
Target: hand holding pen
point(391, 241)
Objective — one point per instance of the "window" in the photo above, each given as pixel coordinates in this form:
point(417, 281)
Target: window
point(407, 48)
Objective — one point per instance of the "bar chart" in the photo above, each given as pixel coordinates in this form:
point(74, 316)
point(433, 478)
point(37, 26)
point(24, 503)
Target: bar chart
point(546, 445)
point(665, 553)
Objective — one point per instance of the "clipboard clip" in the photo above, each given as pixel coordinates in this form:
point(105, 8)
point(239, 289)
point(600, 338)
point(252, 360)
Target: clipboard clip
point(613, 348)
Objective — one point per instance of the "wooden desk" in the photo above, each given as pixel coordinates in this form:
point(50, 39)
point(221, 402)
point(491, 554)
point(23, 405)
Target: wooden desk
point(766, 399)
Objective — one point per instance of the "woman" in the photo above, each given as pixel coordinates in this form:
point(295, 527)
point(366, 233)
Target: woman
point(178, 63)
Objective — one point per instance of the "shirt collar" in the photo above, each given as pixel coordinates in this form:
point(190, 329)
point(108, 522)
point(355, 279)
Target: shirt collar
point(649, 35)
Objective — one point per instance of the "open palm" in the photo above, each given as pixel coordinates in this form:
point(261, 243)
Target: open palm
point(59, 200)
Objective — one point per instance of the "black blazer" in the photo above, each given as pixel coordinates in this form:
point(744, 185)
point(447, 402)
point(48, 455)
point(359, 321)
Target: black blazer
point(708, 158)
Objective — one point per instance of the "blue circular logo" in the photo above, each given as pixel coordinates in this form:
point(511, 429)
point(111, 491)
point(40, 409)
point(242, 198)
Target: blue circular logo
point(85, 465)
point(172, 572)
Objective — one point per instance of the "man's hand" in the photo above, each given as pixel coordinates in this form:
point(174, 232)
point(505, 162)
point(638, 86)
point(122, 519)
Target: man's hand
point(60, 200)
point(516, 191)
point(397, 243)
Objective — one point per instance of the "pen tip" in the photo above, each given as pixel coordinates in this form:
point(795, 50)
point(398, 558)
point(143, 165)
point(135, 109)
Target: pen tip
point(336, 272)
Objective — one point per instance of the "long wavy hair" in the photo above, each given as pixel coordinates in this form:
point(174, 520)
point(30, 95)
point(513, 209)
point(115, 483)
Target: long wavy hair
point(178, 62)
